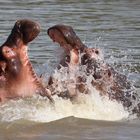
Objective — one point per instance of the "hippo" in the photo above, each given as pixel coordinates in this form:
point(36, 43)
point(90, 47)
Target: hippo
point(106, 79)
point(17, 76)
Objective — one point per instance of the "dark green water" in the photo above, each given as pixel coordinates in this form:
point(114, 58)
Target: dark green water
point(113, 26)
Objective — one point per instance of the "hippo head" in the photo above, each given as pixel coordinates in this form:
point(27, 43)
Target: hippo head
point(66, 37)
point(14, 48)
point(17, 77)
point(23, 32)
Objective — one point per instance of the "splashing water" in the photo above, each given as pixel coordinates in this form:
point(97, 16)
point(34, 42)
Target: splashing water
point(39, 109)
point(90, 106)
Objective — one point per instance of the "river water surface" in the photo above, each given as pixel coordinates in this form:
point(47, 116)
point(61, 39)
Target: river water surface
point(113, 26)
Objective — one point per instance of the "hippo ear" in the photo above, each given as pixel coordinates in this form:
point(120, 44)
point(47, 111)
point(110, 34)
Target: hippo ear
point(8, 52)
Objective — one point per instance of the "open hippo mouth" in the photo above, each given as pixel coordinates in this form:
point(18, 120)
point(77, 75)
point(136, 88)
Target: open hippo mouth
point(23, 32)
point(20, 80)
point(66, 37)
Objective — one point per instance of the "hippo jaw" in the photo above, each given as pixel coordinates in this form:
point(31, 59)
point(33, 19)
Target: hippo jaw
point(66, 37)
point(23, 32)
point(74, 57)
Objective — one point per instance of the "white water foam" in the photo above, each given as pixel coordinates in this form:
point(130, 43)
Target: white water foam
point(39, 109)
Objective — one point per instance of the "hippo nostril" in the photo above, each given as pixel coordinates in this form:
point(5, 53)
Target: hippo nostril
point(96, 51)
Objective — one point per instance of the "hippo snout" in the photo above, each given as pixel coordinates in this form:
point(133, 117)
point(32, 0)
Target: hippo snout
point(27, 30)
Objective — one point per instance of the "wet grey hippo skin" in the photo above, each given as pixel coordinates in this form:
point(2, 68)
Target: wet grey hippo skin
point(105, 79)
point(17, 77)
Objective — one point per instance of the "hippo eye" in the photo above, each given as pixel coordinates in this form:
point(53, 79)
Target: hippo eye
point(96, 51)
